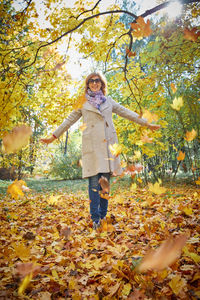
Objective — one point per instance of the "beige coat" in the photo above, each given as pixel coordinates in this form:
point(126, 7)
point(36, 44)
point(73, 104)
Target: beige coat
point(98, 135)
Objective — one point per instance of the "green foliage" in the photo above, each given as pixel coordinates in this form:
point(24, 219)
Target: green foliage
point(68, 166)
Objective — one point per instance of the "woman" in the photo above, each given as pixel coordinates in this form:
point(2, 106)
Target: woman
point(97, 160)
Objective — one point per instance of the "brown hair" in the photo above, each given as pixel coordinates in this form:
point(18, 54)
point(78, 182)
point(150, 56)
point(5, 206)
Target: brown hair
point(103, 82)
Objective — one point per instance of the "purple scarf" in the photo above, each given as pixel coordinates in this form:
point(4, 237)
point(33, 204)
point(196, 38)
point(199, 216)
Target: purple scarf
point(95, 98)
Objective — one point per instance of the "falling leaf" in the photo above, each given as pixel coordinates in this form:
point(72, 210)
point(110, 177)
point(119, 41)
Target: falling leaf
point(164, 256)
point(198, 181)
point(79, 103)
point(181, 156)
point(23, 286)
point(177, 103)
point(145, 139)
point(173, 87)
point(115, 149)
point(191, 35)
point(16, 189)
point(151, 117)
point(16, 139)
point(130, 53)
point(177, 284)
point(140, 28)
point(137, 155)
point(24, 269)
point(190, 135)
point(104, 183)
point(156, 188)
point(83, 127)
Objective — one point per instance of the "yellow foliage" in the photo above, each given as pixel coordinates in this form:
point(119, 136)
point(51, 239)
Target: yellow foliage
point(177, 103)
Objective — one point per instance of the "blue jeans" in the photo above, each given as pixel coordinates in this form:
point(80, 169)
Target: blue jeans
point(98, 205)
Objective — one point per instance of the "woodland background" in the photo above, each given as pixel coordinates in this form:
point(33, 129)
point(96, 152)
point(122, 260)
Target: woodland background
point(151, 62)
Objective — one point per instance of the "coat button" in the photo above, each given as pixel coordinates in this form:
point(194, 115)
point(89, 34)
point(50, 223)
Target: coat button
point(92, 126)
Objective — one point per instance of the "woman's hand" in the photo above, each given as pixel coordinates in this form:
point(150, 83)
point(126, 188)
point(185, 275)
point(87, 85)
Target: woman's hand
point(153, 126)
point(48, 140)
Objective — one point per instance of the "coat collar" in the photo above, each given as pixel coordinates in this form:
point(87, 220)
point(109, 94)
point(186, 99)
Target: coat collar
point(90, 107)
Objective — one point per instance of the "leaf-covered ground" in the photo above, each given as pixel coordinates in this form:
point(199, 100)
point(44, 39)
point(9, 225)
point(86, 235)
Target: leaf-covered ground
point(51, 235)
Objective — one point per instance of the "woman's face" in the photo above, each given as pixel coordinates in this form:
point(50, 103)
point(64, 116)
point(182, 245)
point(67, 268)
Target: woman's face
point(94, 84)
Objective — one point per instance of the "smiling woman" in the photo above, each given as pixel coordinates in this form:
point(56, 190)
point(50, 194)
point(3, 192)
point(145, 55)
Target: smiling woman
point(98, 161)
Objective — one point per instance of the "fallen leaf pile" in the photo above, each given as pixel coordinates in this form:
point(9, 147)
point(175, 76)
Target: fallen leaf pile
point(148, 248)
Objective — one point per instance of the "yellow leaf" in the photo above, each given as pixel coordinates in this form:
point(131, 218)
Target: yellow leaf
point(80, 101)
point(188, 211)
point(198, 181)
point(190, 135)
point(137, 155)
point(181, 156)
point(16, 139)
point(133, 187)
point(177, 284)
point(126, 289)
point(195, 257)
point(177, 103)
point(21, 251)
point(23, 286)
point(173, 87)
point(115, 149)
point(150, 116)
point(156, 188)
point(55, 274)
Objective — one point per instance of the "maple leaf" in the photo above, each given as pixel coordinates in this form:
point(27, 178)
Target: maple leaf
point(190, 135)
point(79, 103)
point(149, 116)
point(115, 149)
point(156, 188)
point(24, 269)
point(130, 53)
point(140, 28)
point(191, 35)
point(177, 284)
point(23, 286)
point(181, 156)
point(16, 139)
point(164, 256)
point(83, 127)
point(177, 103)
point(104, 183)
point(173, 87)
point(145, 139)
point(198, 181)
point(65, 231)
point(16, 189)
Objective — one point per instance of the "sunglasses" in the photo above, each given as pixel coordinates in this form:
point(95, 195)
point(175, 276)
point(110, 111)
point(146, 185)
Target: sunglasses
point(98, 80)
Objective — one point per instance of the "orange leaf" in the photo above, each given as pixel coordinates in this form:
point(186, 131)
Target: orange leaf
point(24, 269)
point(181, 156)
point(140, 28)
point(145, 139)
point(173, 87)
point(104, 183)
point(130, 53)
point(80, 101)
point(164, 256)
point(190, 135)
point(191, 35)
